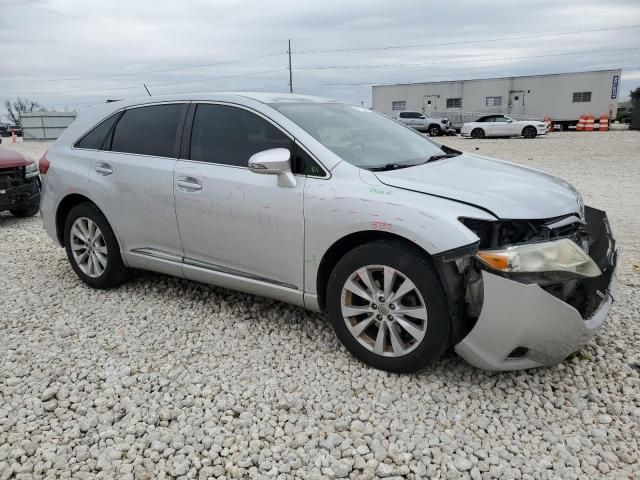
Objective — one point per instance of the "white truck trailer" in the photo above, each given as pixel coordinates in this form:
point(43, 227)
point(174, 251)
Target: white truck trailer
point(563, 97)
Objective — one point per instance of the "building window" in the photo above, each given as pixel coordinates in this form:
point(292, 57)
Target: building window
point(581, 97)
point(454, 103)
point(493, 101)
point(399, 105)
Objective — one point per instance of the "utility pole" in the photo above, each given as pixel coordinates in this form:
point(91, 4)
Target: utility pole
point(290, 73)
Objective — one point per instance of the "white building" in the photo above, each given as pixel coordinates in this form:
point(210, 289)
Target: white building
point(563, 96)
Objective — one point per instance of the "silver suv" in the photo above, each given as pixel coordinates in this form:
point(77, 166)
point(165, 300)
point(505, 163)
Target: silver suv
point(409, 246)
point(423, 123)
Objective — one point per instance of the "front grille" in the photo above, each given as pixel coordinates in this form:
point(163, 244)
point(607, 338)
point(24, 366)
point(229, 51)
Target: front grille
point(11, 177)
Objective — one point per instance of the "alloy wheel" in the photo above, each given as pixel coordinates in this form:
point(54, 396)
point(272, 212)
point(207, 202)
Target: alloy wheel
point(384, 311)
point(88, 247)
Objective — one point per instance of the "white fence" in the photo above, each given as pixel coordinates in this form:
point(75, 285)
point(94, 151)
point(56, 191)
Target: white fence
point(45, 126)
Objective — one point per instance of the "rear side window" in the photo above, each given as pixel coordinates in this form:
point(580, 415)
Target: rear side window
point(151, 130)
point(94, 140)
point(230, 136)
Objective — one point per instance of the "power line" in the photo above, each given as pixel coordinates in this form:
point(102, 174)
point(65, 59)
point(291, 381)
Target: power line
point(164, 70)
point(457, 79)
point(582, 52)
point(183, 82)
point(488, 40)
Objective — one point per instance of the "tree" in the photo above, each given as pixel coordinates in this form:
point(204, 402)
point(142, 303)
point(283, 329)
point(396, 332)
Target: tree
point(18, 107)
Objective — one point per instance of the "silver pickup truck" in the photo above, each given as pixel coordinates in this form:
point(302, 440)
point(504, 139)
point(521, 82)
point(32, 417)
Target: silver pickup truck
point(433, 126)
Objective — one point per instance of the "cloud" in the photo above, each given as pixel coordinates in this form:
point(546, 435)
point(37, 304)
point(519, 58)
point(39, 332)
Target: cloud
point(72, 52)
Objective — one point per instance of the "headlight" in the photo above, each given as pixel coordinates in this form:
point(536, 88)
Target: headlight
point(556, 256)
point(31, 170)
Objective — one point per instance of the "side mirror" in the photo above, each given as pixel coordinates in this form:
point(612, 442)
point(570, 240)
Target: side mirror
point(276, 161)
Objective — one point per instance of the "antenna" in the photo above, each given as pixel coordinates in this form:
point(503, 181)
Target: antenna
point(145, 87)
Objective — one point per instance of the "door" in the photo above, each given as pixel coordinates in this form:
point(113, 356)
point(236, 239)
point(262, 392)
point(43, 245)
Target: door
point(428, 104)
point(132, 180)
point(516, 102)
point(502, 127)
point(232, 220)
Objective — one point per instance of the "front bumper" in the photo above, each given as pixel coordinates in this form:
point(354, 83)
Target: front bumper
point(25, 194)
point(543, 329)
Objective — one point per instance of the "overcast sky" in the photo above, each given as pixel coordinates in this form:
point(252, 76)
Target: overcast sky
point(73, 53)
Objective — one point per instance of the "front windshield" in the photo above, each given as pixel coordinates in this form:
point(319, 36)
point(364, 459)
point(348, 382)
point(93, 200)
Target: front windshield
point(362, 137)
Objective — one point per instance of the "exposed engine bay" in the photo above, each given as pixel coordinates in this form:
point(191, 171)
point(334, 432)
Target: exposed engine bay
point(593, 236)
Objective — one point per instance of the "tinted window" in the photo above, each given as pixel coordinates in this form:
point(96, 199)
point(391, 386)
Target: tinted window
point(95, 138)
point(306, 165)
point(148, 130)
point(405, 115)
point(230, 135)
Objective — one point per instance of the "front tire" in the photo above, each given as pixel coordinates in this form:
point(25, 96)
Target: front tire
point(388, 307)
point(26, 211)
point(529, 132)
point(434, 131)
point(92, 248)
point(477, 133)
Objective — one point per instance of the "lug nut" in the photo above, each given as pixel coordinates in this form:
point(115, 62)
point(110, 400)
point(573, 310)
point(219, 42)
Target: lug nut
point(390, 318)
point(374, 306)
point(379, 317)
point(381, 299)
point(392, 306)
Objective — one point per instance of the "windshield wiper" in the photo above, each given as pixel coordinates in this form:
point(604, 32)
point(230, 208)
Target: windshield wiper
point(392, 166)
point(433, 158)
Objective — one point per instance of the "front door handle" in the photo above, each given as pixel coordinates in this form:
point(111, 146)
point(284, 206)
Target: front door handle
point(188, 184)
point(104, 169)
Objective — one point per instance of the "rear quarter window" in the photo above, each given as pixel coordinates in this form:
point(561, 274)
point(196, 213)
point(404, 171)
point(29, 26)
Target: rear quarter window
point(95, 138)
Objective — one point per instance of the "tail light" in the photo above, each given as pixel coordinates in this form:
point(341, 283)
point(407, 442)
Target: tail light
point(43, 164)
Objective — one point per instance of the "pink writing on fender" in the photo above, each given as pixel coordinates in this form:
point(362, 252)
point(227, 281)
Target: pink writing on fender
point(381, 226)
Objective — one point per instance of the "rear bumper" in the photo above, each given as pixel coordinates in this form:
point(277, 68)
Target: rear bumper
point(26, 194)
point(526, 317)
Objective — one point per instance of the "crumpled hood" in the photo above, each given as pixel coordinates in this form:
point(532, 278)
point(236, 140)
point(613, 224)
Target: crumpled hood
point(508, 190)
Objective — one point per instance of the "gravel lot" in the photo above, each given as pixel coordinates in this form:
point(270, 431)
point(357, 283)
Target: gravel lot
point(165, 377)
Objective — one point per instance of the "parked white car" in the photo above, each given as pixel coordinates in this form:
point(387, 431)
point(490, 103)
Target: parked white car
point(431, 125)
point(503, 126)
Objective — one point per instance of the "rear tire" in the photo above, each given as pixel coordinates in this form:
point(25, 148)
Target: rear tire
point(413, 317)
point(477, 133)
point(24, 212)
point(529, 132)
point(92, 248)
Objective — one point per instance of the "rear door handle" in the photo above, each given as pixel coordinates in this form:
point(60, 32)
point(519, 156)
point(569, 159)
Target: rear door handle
point(104, 169)
point(188, 184)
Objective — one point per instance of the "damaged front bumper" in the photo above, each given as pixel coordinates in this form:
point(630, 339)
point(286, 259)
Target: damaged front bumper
point(524, 326)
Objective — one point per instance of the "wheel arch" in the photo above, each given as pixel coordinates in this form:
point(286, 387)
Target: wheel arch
point(450, 278)
point(64, 207)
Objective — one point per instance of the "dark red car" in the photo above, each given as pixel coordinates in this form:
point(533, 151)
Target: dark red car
point(19, 184)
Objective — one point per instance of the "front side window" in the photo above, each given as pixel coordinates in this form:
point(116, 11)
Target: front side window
point(493, 101)
point(398, 105)
point(359, 136)
point(151, 130)
point(95, 139)
point(230, 135)
point(581, 97)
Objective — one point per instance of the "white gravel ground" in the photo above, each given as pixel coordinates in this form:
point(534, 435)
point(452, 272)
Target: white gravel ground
point(165, 377)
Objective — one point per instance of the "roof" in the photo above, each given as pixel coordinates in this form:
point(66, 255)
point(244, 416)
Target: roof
point(263, 97)
point(616, 70)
